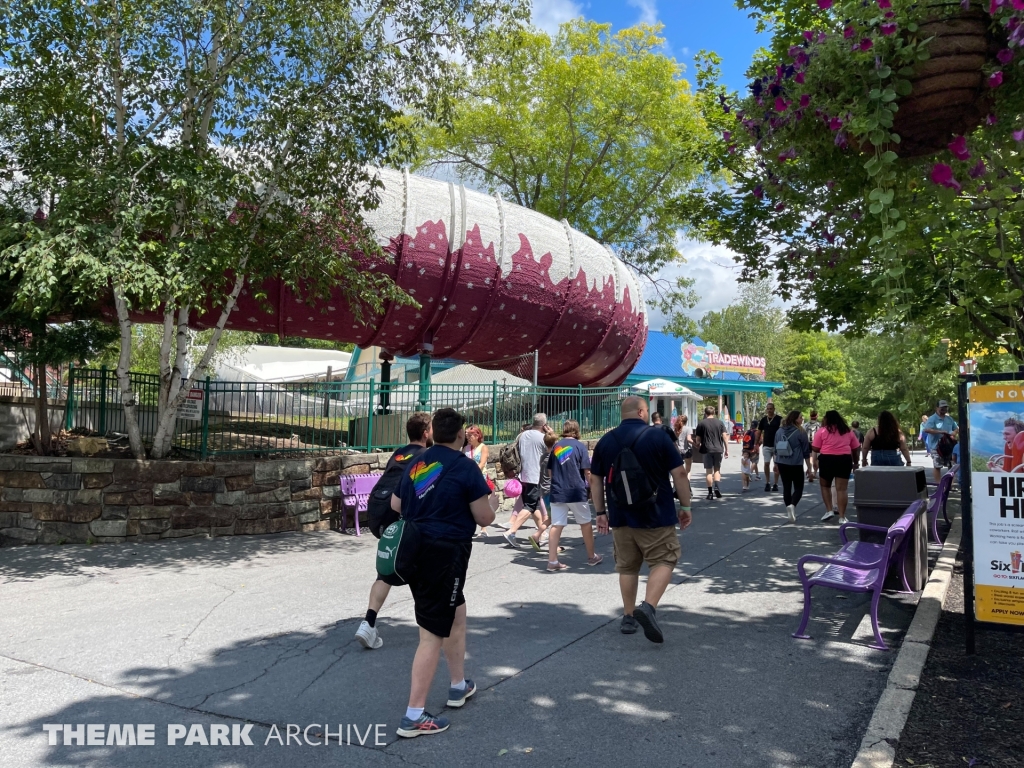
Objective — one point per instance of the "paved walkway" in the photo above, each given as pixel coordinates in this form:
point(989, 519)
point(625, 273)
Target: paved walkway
point(260, 630)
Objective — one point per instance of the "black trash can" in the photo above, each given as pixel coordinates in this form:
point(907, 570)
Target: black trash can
point(881, 496)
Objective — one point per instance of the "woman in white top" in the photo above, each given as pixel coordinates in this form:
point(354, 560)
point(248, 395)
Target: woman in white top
point(684, 440)
point(477, 451)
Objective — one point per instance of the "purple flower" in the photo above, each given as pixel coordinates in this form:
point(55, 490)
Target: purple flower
point(840, 140)
point(726, 135)
point(758, 192)
point(958, 147)
point(781, 105)
point(824, 4)
point(885, 4)
point(808, 35)
point(796, 50)
point(789, 154)
point(822, 37)
point(991, 119)
point(805, 101)
point(835, 124)
point(942, 175)
point(849, 32)
point(978, 170)
point(866, 44)
point(799, 77)
point(887, 29)
point(1005, 56)
point(1018, 5)
point(995, 79)
point(1018, 135)
point(780, 207)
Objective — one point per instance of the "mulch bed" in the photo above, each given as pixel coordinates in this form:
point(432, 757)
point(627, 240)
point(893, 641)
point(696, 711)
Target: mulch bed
point(969, 710)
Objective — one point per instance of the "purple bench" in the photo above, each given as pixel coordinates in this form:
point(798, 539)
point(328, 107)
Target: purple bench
point(937, 501)
point(355, 495)
point(859, 566)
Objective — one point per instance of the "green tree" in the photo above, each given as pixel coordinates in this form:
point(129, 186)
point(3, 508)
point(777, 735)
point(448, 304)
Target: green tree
point(183, 150)
point(815, 372)
point(754, 326)
point(594, 127)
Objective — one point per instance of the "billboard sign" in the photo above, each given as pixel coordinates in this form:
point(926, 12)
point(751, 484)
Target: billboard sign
point(996, 416)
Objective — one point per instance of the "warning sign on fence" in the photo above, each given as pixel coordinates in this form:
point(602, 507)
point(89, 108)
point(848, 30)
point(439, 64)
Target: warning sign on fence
point(997, 453)
point(192, 408)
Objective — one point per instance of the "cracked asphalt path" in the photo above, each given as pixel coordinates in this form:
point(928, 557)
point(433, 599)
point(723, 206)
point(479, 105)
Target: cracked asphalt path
point(260, 630)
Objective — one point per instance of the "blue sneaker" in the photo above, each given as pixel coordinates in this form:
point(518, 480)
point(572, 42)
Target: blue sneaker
point(426, 725)
point(456, 697)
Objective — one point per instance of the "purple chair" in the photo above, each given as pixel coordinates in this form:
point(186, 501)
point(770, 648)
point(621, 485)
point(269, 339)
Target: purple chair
point(355, 495)
point(938, 501)
point(859, 567)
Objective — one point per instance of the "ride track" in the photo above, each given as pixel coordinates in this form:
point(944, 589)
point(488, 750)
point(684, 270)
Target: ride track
point(511, 281)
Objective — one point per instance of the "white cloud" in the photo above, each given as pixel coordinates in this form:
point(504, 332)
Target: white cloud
point(549, 14)
point(714, 273)
point(648, 11)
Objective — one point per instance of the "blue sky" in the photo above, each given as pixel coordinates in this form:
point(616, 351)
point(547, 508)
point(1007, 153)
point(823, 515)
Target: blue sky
point(690, 25)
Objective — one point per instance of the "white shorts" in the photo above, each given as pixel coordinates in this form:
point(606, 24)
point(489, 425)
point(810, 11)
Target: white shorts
point(560, 512)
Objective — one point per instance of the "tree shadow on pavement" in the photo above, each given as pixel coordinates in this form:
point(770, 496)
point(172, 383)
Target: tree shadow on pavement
point(728, 687)
point(27, 563)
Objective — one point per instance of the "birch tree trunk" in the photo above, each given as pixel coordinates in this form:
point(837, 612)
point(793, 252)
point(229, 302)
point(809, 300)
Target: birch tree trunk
point(128, 401)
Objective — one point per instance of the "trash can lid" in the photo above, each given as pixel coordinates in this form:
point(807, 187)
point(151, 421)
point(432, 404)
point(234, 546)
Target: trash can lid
point(889, 485)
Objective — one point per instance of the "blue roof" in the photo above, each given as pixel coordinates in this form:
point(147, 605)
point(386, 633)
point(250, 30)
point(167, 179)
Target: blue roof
point(662, 359)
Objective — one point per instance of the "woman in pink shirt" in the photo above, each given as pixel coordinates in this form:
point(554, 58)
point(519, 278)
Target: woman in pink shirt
point(834, 450)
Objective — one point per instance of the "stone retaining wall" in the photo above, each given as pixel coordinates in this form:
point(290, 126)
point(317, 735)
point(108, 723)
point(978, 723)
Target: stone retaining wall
point(53, 500)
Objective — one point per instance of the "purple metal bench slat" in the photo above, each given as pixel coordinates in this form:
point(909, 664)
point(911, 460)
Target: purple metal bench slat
point(857, 568)
point(355, 495)
point(938, 501)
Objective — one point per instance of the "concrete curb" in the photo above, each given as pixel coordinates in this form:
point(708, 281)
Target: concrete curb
point(878, 748)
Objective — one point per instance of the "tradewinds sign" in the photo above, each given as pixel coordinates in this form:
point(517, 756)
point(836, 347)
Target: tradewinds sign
point(707, 356)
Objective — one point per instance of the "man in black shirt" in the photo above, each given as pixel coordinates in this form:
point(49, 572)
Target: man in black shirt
point(711, 440)
point(766, 430)
point(420, 434)
point(444, 495)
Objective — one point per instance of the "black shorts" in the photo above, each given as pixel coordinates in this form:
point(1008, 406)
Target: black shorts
point(713, 460)
point(394, 580)
point(437, 587)
point(531, 496)
point(830, 467)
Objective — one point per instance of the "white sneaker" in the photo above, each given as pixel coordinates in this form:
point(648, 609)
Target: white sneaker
point(843, 521)
point(828, 515)
point(368, 636)
point(791, 512)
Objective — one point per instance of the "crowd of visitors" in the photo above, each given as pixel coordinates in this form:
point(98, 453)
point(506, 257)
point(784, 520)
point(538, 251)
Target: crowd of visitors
point(435, 496)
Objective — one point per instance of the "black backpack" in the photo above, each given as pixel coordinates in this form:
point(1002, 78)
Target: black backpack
point(630, 484)
point(945, 448)
point(378, 508)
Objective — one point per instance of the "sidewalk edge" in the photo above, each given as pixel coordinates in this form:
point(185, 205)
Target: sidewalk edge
point(878, 748)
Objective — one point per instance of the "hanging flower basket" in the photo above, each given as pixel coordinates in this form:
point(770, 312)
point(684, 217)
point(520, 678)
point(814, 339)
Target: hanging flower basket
point(950, 96)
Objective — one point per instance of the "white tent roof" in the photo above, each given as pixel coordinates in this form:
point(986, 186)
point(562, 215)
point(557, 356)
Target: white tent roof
point(665, 387)
point(281, 364)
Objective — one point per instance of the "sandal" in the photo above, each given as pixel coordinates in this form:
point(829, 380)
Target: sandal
point(555, 567)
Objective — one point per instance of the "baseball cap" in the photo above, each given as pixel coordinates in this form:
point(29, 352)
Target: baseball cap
point(943, 404)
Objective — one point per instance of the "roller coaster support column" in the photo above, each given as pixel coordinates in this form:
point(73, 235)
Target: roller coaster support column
point(385, 382)
point(425, 356)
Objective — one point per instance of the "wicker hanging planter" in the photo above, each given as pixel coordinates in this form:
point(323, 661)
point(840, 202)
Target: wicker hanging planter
point(950, 96)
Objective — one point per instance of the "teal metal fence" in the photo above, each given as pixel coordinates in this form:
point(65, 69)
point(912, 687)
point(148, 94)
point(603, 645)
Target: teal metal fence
point(227, 418)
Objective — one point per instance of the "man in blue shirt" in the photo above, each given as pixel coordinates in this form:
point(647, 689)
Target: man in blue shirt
point(939, 423)
point(643, 532)
point(444, 495)
point(569, 468)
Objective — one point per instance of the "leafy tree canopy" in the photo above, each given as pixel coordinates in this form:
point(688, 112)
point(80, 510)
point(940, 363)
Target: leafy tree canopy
point(592, 126)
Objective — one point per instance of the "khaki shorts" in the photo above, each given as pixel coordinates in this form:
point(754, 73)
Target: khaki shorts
point(654, 546)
